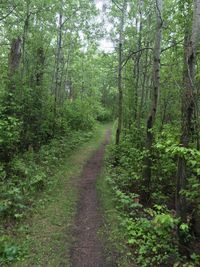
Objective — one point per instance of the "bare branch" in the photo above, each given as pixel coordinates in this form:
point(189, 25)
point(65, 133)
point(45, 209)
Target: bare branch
point(7, 15)
point(117, 5)
point(134, 53)
point(148, 48)
point(171, 46)
point(67, 19)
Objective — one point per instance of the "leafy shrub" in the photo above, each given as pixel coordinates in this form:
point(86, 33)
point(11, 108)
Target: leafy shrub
point(80, 115)
point(9, 252)
point(152, 241)
point(152, 232)
point(10, 128)
point(29, 174)
point(104, 115)
point(13, 202)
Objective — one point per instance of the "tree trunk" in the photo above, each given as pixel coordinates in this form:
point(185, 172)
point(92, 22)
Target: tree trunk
point(40, 66)
point(24, 38)
point(57, 75)
point(14, 57)
point(137, 67)
point(142, 100)
point(120, 90)
point(154, 102)
point(67, 79)
point(13, 67)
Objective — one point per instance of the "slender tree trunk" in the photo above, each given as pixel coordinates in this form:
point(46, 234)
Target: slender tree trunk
point(40, 66)
point(14, 57)
point(82, 78)
point(24, 38)
point(142, 100)
point(147, 70)
point(57, 74)
point(154, 102)
point(58, 58)
point(137, 67)
point(120, 89)
point(67, 79)
point(13, 67)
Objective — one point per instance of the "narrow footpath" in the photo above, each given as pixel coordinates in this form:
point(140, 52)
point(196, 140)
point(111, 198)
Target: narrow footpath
point(87, 249)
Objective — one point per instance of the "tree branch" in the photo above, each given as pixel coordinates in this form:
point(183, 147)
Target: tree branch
point(134, 53)
point(4, 17)
point(159, 12)
point(68, 18)
point(117, 5)
point(148, 48)
point(171, 46)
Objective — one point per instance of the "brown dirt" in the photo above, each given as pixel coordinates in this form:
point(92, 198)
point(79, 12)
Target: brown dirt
point(87, 249)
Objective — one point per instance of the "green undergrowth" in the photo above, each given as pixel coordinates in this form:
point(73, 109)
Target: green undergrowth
point(36, 231)
point(140, 235)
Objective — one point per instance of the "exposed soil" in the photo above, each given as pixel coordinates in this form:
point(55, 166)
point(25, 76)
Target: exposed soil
point(87, 249)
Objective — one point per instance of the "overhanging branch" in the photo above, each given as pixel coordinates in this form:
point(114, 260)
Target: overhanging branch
point(7, 15)
point(117, 5)
point(134, 53)
point(148, 48)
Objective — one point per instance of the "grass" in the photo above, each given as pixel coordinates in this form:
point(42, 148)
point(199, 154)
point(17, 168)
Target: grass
point(47, 236)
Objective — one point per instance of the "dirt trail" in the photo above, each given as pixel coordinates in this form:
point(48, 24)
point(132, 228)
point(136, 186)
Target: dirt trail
point(87, 249)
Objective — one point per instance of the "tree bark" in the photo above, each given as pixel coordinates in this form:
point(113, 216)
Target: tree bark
point(120, 62)
point(58, 58)
point(13, 67)
point(40, 66)
point(57, 74)
point(14, 57)
point(137, 67)
point(154, 102)
point(142, 99)
point(25, 37)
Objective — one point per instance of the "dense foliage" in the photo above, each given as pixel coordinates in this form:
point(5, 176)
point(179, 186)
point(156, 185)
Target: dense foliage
point(151, 231)
point(56, 83)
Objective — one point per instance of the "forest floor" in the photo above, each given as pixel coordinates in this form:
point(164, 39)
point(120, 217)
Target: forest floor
point(65, 229)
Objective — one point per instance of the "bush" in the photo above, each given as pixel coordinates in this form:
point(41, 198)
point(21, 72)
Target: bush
point(104, 115)
point(152, 241)
point(9, 252)
point(152, 232)
point(29, 173)
point(80, 115)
